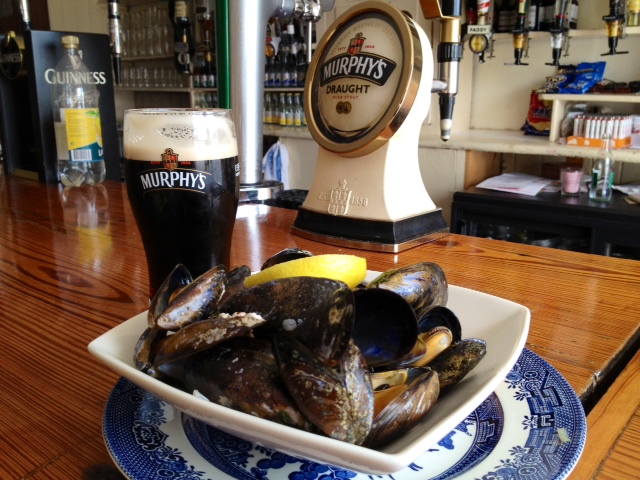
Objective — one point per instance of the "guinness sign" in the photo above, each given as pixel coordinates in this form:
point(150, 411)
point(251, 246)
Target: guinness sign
point(12, 56)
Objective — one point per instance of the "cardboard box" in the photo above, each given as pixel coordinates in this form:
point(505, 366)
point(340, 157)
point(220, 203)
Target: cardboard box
point(597, 142)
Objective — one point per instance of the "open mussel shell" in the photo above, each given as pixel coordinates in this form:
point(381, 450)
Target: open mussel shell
point(421, 285)
point(203, 335)
point(414, 400)
point(457, 361)
point(439, 316)
point(242, 374)
point(284, 256)
point(179, 278)
point(385, 327)
point(195, 301)
point(438, 328)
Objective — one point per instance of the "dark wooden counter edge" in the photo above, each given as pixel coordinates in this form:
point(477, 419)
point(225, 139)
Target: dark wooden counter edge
point(609, 419)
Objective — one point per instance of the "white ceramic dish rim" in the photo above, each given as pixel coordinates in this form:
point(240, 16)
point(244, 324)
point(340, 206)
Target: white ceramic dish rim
point(501, 323)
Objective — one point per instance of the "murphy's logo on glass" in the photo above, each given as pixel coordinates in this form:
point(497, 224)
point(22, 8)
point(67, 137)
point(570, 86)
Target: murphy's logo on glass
point(169, 159)
point(356, 64)
point(170, 176)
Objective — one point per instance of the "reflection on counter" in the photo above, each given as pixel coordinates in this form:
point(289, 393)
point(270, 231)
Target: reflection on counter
point(291, 199)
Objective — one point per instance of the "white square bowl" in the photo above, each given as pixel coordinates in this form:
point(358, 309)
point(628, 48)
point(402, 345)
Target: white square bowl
point(501, 323)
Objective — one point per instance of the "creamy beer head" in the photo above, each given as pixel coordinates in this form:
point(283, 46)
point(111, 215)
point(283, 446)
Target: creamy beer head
point(192, 134)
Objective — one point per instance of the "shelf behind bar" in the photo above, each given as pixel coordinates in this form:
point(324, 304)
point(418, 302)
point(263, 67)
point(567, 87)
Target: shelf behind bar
point(514, 141)
point(499, 141)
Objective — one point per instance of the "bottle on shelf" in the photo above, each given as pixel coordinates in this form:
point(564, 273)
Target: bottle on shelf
point(534, 16)
point(601, 186)
point(301, 64)
point(547, 14)
point(633, 15)
point(209, 70)
point(283, 110)
point(275, 109)
point(271, 71)
point(289, 111)
point(76, 116)
point(574, 9)
point(205, 17)
point(197, 71)
point(268, 110)
point(183, 47)
point(297, 111)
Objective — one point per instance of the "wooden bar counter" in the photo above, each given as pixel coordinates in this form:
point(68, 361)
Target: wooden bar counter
point(69, 273)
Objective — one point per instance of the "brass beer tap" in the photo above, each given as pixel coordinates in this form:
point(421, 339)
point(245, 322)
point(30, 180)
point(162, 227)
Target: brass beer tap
point(449, 55)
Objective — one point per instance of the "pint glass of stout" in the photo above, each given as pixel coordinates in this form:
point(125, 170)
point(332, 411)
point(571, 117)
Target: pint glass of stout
point(182, 176)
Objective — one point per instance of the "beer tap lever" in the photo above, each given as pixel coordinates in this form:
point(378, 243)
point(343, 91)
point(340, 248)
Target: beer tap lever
point(615, 23)
point(520, 33)
point(449, 55)
point(558, 33)
point(24, 11)
point(480, 33)
point(114, 33)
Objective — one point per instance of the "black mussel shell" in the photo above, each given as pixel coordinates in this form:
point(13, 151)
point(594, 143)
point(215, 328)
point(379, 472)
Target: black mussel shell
point(385, 328)
point(235, 281)
point(439, 316)
point(457, 361)
point(321, 393)
point(283, 303)
point(284, 256)
point(205, 334)
point(242, 374)
point(406, 409)
point(196, 301)
point(421, 285)
point(179, 278)
point(328, 332)
point(144, 351)
point(354, 370)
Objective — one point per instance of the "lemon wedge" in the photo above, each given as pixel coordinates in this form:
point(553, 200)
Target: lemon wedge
point(349, 269)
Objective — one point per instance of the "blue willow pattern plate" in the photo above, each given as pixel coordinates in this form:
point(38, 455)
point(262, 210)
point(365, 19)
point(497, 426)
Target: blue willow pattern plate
point(533, 427)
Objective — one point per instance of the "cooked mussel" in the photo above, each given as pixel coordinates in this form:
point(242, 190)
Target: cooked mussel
point(337, 401)
point(401, 398)
point(179, 278)
point(195, 301)
point(454, 363)
point(242, 374)
point(438, 328)
point(385, 327)
point(421, 285)
point(285, 303)
point(284, 256)
point(203, 335)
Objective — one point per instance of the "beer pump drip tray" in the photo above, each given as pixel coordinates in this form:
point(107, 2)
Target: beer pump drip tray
point(372, 235)
point(367, 95)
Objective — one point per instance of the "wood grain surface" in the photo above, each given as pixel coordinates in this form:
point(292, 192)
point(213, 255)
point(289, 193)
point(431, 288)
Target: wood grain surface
point(68, 274)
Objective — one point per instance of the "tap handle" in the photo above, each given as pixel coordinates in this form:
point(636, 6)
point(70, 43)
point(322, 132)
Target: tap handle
point(24, 11)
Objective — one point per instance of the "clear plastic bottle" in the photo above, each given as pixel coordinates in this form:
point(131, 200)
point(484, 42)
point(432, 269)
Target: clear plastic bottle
point(76, 117)
point(601, 186)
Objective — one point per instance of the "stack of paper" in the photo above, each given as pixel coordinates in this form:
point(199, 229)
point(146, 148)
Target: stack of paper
point(515, 183)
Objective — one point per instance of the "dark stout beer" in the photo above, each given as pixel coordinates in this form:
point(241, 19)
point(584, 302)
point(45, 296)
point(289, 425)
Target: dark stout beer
point(182, 170)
